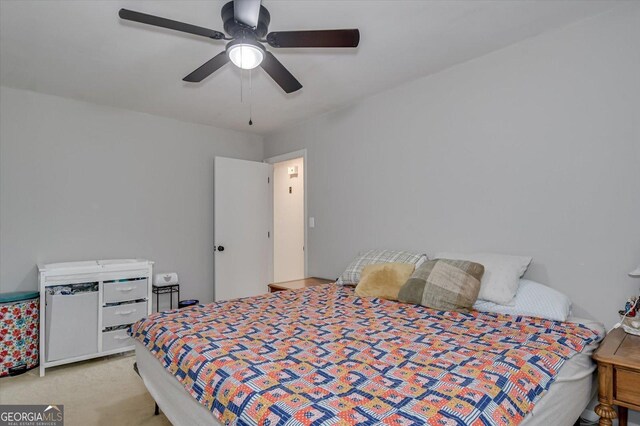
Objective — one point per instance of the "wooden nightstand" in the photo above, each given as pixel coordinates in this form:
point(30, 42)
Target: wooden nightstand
point(296, 284)
point(618, 359)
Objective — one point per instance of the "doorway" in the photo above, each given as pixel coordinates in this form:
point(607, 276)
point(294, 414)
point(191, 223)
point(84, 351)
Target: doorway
point(289, 213)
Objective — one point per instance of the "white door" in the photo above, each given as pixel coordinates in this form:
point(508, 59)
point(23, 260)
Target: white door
point(242, 225)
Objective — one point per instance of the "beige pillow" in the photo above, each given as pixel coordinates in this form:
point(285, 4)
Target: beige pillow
point(384, 280)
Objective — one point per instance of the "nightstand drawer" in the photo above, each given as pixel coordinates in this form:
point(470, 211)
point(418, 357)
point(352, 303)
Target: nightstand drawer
point(627, 386)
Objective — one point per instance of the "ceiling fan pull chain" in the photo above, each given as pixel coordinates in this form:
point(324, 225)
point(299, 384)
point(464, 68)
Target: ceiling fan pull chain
point(241, 99)
point(241, 80)
point(250, 100)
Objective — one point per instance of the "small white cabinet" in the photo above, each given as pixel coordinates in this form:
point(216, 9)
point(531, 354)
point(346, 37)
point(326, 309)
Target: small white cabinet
point(86, 308)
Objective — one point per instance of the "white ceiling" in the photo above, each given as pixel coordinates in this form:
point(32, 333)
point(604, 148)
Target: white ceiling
point(82, 50)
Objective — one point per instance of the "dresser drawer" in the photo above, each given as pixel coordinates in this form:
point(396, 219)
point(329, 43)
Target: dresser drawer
point(123, 291)
point(628, 386)
point(116, 339)
point(123, 314)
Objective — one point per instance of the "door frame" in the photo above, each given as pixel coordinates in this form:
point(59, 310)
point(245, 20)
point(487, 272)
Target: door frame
point(278, 159)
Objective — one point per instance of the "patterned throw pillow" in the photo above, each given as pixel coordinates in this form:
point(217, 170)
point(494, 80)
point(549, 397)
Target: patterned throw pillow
point(444, 284)
point(351, 276)
point(384, 280)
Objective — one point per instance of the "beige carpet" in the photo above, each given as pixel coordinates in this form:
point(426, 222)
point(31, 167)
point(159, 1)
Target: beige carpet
point(103, 391)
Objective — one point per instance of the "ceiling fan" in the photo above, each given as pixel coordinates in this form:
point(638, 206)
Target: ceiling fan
point(247, 22)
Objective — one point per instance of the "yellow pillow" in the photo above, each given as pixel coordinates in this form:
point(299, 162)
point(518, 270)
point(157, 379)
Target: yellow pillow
point(384, 280)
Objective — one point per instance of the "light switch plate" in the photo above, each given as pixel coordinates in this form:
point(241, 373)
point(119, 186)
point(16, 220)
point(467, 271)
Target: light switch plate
point(312, 222)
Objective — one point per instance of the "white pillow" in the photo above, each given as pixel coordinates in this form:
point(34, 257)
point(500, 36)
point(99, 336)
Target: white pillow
point(501, 274)
point(533, 300)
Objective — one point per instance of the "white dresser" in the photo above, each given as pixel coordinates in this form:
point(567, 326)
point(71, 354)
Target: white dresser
point(86, 308)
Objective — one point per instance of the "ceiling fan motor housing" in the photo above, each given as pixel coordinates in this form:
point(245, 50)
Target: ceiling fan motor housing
point(237, 29)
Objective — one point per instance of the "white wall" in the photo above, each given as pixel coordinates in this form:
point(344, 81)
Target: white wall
point(288, 221)
point(533, 149)
point(81, 181)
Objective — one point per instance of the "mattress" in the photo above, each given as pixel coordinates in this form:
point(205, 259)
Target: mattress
point(547, 347)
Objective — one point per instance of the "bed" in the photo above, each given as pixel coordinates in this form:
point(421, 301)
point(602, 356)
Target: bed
point(325, 356)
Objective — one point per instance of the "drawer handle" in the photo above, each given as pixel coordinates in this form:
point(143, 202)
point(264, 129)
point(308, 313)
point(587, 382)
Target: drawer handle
point(125, 312)
point(120, 337)
point(124, 288)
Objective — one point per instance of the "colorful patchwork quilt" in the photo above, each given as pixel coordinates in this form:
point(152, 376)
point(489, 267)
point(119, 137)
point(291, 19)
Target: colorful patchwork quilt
point(325, 356)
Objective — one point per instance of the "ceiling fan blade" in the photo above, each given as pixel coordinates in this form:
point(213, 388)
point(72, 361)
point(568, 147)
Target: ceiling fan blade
point(157, 21)
point(279, 73)
point(317, 38)
point(247, 12)
point(208, 68)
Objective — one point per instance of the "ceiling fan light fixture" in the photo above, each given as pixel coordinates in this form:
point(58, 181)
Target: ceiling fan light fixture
point(245, 54)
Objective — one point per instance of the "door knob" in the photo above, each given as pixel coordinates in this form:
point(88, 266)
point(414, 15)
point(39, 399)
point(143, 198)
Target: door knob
point(219, 248)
